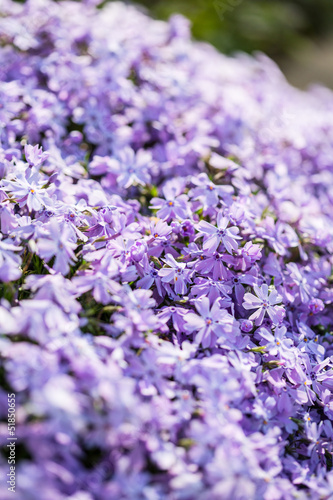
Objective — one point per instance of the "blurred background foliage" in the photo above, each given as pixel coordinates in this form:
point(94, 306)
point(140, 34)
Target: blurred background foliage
point(297, 34)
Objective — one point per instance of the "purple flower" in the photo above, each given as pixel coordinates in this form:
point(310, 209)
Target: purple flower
point(212, 289)
point(159, 229)
point(273, 268)
point(246, 325)
point(213, 322)
point(238, 280)
point(247, 256)
point(163, 245)
point(177, 315)
point(277, 344)
point(26, 188)
point(176, 273)
point(140, 377)
point(35, 155)
point(137, 313)
point(281, 236)
point(133, 167)
point(151, 277)
point(264, 302)
point(216, 235)
point(213, 264)
point(100, 281)
point(316, 306)
point(300, 279)
point(55, 288)
point(208, 193)
point(57, 241)
point(121, 248)
point(138, 250)
point(174, 205)
point(304, 392)
point(10, 262)
point(103, 225)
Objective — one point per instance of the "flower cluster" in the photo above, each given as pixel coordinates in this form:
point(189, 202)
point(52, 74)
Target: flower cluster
point(166, 263)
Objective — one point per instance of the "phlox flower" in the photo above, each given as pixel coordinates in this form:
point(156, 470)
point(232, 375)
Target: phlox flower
point(216, 235)
point(281, 236)
point(212, 289)
point(55, 288)
point(212, 323)
point(213, 263)
point(137, 314)
point(160, 240)
point(237, 282)
point(247, 256)
point(150, 278)
point(141, 366)
point(174, 205)
point(208, 193)
point(133, 168)
point(57, 241)
point(316, 306)
point(177, 274)
point(264, 302)
point(27, 190)
point(277, 343)
point(9, 260)
point(159, 229)
point(300, 280)
point(35, 155)
point(100, 281)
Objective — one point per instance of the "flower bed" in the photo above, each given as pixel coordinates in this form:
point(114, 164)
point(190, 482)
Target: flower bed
point(166, 264)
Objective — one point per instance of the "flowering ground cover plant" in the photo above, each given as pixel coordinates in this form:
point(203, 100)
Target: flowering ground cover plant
point(165, 261)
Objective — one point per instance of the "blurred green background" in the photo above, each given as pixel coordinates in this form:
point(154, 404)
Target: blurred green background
point(297, 34)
